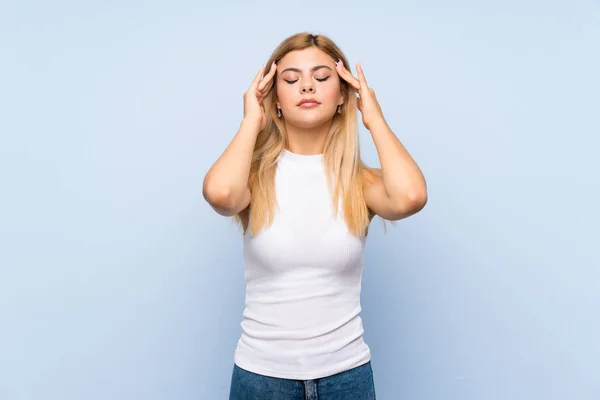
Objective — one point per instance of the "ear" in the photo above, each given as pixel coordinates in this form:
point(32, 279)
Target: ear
point(343, 93)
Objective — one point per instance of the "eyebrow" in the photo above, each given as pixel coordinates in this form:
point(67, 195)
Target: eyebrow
point(312, 69)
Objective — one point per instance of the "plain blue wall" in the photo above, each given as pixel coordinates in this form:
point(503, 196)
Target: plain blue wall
point(117, 280)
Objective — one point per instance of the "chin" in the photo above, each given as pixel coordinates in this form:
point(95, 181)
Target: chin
point(309, 121)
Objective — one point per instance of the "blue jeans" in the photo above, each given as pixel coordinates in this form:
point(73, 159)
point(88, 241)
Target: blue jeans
point(354, 384)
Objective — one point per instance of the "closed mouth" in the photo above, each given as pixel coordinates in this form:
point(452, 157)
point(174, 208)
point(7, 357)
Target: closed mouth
point(308, 101)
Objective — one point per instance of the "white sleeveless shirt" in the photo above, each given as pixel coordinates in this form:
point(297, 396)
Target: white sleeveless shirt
point(303, 282)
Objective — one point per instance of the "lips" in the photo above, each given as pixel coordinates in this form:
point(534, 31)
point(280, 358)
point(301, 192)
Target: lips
point(308, 102)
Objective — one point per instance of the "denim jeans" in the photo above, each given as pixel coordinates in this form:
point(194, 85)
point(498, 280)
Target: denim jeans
point(354, 384)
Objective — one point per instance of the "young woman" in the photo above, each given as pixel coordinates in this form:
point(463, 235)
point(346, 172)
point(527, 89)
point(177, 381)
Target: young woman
point(293, 178)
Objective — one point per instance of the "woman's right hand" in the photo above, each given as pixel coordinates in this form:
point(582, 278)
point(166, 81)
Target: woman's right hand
point(254, 109)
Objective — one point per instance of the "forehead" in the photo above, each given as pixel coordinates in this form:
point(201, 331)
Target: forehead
point(305, 59)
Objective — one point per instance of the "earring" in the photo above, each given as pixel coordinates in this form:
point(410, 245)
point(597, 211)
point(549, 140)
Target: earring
point(339, 110)
point(279, 113)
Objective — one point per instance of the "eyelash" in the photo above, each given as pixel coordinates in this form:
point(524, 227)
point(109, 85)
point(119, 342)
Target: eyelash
point(319, 79)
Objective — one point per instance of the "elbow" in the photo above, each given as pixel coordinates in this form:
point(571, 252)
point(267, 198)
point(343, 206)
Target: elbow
point(411, 204)
point(417, 200)
point(219, 197)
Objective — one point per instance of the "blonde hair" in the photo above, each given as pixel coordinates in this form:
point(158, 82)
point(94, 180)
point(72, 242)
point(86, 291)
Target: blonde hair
point(346, 173)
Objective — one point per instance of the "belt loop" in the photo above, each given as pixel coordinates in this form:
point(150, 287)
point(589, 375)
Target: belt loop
point(310, 390)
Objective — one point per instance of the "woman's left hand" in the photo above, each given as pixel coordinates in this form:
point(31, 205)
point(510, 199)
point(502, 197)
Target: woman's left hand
point(367, 102)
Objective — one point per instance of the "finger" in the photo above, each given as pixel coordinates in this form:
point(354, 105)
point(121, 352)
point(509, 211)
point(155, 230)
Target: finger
point(347, 76)
point(361, 76)
point(264, 88)
point(268, 79)
point(257, 77)
point(263, 91)
point(261, 95)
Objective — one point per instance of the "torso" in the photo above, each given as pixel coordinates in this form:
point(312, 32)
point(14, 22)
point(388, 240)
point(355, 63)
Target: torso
point(303, 281)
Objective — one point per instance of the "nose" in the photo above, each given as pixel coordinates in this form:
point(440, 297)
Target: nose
point(307, 88)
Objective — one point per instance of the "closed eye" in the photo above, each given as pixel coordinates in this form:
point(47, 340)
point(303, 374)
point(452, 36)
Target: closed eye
point(318, 79)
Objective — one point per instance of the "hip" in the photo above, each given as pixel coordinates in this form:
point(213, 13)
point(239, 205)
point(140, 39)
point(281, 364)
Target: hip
point(354, 384)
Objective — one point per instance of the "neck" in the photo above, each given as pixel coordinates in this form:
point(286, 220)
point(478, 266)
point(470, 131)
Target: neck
point(306, 141)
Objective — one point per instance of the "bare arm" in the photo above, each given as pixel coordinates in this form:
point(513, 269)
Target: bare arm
point(398, 189)
point(225, 185)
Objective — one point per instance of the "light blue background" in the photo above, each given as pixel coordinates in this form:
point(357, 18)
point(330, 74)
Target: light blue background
point(117, 280)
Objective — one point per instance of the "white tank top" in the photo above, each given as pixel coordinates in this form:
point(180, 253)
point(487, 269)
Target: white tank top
point(303, 282)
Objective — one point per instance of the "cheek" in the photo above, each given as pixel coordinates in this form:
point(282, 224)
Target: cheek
point(331, 88)
point(331, 93)
point(284, 94)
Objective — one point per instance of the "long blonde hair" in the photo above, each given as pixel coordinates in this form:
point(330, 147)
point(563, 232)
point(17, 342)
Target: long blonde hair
point(346, 172)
